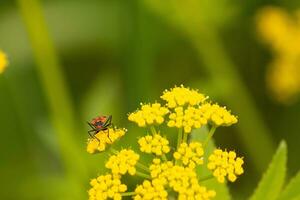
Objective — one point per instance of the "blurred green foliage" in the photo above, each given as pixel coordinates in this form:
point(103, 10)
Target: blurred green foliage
point(114, 54)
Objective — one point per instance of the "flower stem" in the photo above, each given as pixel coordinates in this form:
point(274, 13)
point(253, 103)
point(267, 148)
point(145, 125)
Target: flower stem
point(185, 137)
point(142, 166)
point(128, 194)
point(205, 178)
point(153, 130)
point(143, 175)
point(164, 157)
point(209, 136)
point(179, 140)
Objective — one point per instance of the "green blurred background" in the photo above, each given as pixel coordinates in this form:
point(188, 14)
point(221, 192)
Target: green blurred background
point(72, 60)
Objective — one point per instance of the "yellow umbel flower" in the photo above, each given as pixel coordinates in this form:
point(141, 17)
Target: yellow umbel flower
point(187, 119)
point(149, 114)
point(190, 154)
point(224, 163)
point(104, 138)
point(106, 187)
point(217, 115)
point(167, 176)
point(151, 190)
point(180, 96)
point(156, 144)
point(3, 61)
point(184, 181)
point(159, 170)
point(123, 162)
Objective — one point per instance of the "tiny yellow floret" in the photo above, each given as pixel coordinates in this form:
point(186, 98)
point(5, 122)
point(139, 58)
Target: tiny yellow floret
point(106, 187)
point(151, 190)
point(3, 62)
point(190, 155)
point(180, 96)
point(104, 138)
point(223, 163)
point(124, 162)
point(149, 114)
point(155, 144)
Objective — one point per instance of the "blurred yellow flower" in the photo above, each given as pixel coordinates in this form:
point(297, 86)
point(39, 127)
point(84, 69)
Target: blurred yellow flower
point(3, 62)
point(282, 32)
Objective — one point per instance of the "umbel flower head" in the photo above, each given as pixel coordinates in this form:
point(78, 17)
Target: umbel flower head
point(3, 62)
point(172, 172)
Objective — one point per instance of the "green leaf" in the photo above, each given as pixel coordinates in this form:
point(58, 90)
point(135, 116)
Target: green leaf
point(272, 181)
point(212, 184)
point(291, 191)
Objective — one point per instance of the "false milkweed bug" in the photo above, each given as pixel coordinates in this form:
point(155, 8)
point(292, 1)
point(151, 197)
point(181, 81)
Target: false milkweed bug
point(101, 123)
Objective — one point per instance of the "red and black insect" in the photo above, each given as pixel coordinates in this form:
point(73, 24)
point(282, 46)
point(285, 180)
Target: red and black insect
point(101, 123)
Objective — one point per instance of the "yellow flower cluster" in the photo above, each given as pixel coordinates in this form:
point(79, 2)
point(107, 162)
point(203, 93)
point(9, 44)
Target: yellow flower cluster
point(282, 32)
point(123, 162)
point(217, 115)
point(196, 117)
point(189, 118)
point(3, 61)
point(190, 154)
point(149, 114)
point(182, 180)
point(151, 190)
point(180, 96)
point(156, 144)
point(104, 138)
point(187, 109)
point(224, 163)
point(106, 187)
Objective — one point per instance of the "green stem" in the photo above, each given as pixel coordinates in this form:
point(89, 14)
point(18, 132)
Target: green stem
point(143, 175)
point(185, 137)
point(179, 139)
point(57, 94)
point(153, 130)
point(125, 194)
point(142, 166)
point(164, 157)
point(209, 136)
point(206, 178)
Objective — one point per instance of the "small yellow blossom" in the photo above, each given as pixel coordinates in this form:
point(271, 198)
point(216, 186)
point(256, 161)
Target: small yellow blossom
point(188, 118)
point(224, 163)
point(151, 190)
point(156, 144)
point(3, 62)
point(159, 170)
point(106, 187)
point(149, 114)
point(180, 96)
point(217, 115)
point(104, 138)
point(123, 162)
point(190, 154)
